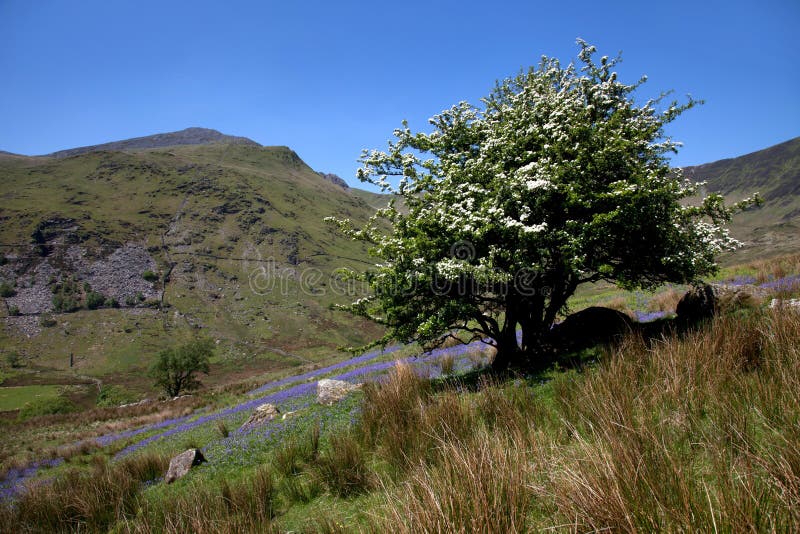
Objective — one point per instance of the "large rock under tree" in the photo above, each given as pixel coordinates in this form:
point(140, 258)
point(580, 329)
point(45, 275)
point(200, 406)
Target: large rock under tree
point(180, 465)
point(697, 304)
point(593, 326)
point(332, 391)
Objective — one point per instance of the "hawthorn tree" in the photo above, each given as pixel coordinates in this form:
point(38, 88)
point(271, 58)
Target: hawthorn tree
point(176, 368)
point(558, 179)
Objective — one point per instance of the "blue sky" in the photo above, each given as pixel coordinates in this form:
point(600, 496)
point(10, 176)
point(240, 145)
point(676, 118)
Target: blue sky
point(331, 78)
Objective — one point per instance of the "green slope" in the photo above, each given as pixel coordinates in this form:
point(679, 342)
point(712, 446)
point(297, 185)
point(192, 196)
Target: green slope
point(211, 219)
point(774, 173)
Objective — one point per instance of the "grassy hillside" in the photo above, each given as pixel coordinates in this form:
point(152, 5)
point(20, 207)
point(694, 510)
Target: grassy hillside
point(233, 235)
point(773, 172)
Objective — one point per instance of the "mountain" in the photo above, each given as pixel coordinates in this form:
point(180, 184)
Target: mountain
point(189, 136)
point(774, 173)
point(224, 239)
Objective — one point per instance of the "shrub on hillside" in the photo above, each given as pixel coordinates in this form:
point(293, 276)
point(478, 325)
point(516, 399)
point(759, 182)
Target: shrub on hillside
point(7, 290)
point(176, 368)
point(65, 302)
point(13, 360)
point(94, 300)
point(46, 406)
point(111, 396)
point(150, 276)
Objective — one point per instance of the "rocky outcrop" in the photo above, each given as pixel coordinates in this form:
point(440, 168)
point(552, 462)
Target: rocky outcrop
point(332, 391)
point(180, 465)
point(262, 414)
point(335, 179)
point(117, 276)
point(699, 303)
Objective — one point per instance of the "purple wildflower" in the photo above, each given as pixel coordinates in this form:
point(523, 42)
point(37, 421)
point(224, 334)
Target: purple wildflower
point(646, 317)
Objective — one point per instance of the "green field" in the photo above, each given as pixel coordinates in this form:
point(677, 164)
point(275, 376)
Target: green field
point(15, 397)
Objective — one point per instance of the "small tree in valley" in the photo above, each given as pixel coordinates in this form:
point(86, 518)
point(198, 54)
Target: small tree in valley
point(176, 368)
point(558, 179)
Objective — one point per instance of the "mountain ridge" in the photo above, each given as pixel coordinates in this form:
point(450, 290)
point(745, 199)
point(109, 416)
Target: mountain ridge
point(187, 136)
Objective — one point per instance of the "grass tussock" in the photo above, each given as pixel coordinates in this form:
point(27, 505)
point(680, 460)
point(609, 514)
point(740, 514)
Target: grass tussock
point(244, 506)
point(477, 485)
point(775, 268)
point(343, 466)
point(83, 500)
point(666, 301)
point(621, 305)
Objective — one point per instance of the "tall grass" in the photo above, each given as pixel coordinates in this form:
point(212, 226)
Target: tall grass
point(245, 506)
point(700, 433)
point(774, 268)
point(82, 500)
point(696, 433)
point(477, 485)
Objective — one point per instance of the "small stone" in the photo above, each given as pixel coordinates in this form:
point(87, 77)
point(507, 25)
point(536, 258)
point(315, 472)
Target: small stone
point(180, 465)
point(784, 303)
point(332, 391)
point(262, 414)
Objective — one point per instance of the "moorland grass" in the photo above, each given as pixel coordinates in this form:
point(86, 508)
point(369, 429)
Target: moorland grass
point(691, 433)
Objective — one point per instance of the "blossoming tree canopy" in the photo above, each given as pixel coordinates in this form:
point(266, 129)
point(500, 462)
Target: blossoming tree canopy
point(557, 179)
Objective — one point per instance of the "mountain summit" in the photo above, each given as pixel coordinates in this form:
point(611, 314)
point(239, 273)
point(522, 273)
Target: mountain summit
point(189, 136)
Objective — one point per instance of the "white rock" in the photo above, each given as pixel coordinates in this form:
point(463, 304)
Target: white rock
point(180, 465)
point(784, 303)
point(262, 414)
point(332, 391)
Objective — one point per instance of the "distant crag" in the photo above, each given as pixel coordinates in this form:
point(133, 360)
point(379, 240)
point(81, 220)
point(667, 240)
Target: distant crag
point(335, 179)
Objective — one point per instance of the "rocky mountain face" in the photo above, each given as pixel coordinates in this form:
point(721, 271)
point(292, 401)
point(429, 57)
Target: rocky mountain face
point(335, 179)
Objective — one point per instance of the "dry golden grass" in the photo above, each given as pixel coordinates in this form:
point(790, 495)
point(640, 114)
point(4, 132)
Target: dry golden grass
point(666, 301)
point(621, 305)
point(774, 268)
point(694, 434)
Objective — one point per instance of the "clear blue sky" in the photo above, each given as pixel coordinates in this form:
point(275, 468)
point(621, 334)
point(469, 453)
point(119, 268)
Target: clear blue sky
point(330, 78)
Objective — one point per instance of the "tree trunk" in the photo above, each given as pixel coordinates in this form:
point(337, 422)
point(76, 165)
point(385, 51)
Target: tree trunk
point(504, 358)
point(508, 353)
